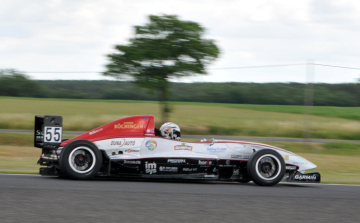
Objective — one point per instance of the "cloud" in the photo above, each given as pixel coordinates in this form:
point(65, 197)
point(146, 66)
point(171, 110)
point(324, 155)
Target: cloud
point(64, 35)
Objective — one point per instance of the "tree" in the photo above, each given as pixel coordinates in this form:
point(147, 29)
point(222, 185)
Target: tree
point(14, 83)
point(164, 49)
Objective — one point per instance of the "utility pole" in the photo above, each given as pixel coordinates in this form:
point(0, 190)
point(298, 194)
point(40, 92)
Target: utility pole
point(308, 100)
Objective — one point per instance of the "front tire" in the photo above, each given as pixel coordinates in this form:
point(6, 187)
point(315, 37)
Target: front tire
point(266, 167)
point(80, 160)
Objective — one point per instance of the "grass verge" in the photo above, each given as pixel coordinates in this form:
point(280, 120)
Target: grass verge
point(196, 119)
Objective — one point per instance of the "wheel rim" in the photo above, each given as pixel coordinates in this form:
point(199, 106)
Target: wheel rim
point(82, 159)
point(268, 167)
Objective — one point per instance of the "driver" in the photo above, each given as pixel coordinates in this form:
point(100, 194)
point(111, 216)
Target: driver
point(170, 130)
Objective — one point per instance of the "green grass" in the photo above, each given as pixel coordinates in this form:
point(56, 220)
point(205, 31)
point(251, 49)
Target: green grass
point(331, 148)
point(326, 111)
point(222, 119)
point(352, 113)
point(21, 139)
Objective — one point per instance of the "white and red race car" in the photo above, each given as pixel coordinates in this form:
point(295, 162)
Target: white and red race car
point(131, 147)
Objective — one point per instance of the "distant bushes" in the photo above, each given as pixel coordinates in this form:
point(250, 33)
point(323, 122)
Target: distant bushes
point(347, 95)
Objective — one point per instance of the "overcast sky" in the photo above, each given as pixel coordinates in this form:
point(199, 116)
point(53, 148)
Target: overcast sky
point(68, 35)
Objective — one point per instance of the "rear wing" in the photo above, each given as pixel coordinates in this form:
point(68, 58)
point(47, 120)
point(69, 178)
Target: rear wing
point(48, 131)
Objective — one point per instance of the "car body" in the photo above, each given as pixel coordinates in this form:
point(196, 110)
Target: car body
point(132, 147)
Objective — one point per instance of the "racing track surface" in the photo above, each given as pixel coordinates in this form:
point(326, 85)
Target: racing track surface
point(31, 198)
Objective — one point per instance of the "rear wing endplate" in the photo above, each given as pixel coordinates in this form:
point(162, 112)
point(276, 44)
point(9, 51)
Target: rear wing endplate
point(48, 131)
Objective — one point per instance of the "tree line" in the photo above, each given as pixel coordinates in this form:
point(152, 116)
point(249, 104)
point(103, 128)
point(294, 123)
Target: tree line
point(19, 85)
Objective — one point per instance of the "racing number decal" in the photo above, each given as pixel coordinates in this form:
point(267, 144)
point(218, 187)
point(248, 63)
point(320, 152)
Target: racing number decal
point(52, 134)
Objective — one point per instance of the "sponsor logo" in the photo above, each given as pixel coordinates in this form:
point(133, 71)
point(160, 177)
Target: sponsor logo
point(122, 143)
point(299, 161)
point(236, 172)
point(189, 169)
point(211, 149)
point(128, 125)
point(240, 147)
point(95, 131)
point(240, 156)
point(291, 167)
point(176, 161)
point(145, 119)
point(286, 157)
point(210, 176)
point(205, 162)
point(305, 177)
point(132, 161)
point(132, 150)
point(183, 147)
point(227, 162)
point(39, 134)
point(150, 167)
point(130, 143)
point(151, 145)
point(117, 143)
point(168, 169)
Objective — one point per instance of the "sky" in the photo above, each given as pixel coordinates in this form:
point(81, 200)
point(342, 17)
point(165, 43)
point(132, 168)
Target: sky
point(76, 36)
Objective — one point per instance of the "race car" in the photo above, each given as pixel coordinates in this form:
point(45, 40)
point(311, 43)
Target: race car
point(132, 147)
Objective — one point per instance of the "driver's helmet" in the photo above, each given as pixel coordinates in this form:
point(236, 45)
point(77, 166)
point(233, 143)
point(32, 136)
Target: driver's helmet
point(170, 130)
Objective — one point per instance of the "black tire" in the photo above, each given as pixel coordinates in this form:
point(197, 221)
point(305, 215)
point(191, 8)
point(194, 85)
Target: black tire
point(80, 160)
point(266, 167)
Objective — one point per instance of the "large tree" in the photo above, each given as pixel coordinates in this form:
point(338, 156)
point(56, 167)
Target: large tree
point(164, 49)
point(14, 83)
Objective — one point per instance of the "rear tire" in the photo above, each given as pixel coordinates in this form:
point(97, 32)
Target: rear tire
point(266, 167)
point(80, 160)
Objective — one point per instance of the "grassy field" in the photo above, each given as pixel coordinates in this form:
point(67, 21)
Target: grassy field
point(193, 118)
point(337, 162)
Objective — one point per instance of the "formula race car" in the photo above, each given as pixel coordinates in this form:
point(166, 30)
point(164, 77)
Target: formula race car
point(133, 147)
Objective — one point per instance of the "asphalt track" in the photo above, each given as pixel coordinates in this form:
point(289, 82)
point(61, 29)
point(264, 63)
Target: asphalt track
point(31, 198)
point(217, 137)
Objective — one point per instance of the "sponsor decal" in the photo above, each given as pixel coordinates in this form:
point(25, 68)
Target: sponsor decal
point(299, 161)
point(210, 176)
point(168, 169)
point(128, 125)
point(189, 169)
point(236, 172)
point(183, 147)
point(120, 143)
point(205, 162)
point(240, 147)
point(145, 119)
point(132, 150)
point(132, 161)
point(176, 161)
point(151, 145)
point(240, 156)
point(150, 167)
point(123, 142)
point(291, 167)
point(305, 177)
point(39, 134)
point(152, 130)
point(211, 149)
point(130, 143)
point(227, 162)
point(286, 157)
point(95, 131)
